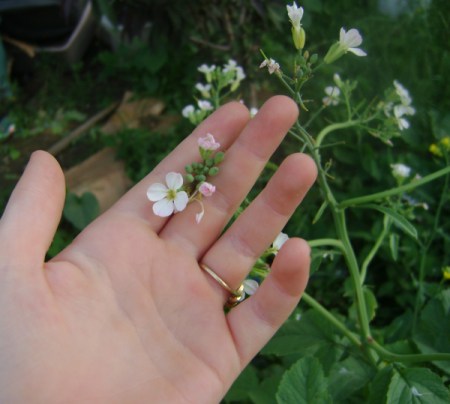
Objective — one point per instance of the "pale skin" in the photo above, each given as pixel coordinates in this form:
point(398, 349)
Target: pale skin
point(125, 314)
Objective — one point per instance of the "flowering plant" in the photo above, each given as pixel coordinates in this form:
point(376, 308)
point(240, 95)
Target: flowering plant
point(344, 354)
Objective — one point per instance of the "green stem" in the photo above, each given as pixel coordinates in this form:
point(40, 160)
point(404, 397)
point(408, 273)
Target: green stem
point(331, 128)
point(394, 191)
point(331, 318)
point(326, 242)
point(374, 250)
point(392, 357)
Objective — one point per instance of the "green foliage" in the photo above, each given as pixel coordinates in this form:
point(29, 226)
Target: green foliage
point(80, 210)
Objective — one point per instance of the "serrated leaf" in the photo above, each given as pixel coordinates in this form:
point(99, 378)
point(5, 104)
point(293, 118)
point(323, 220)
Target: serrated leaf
point(400, 221)
point(348, 376)
point(305, 335)
point(417, 385)
point(378, 388)
point(241, 387)
point(304, 383)
point(433, 330)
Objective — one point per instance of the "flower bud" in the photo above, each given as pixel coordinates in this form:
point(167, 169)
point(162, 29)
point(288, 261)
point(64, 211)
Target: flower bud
point(188, 169)
point(213, 171)
point(218, 158)
point(299, 37)
point(189, 178)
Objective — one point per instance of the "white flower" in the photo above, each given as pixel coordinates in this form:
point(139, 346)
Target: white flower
point(403, 93)
point(279, 241)
point(295, 15)
point(206, 189)
point(168, 199)
point(231, 65)
point(332, 97)
point(253, 112)
point(400, 170)
point(205, 69)
point(187, 111)
point(204, 89)
point(271, 64)
point(349, 40)
point(337, 79)
point(250, 286)
point(399, 112)
point(208, 142)
point(205, 105)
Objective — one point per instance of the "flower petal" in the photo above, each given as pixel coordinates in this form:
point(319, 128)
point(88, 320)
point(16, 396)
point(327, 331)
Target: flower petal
point(250, 286)
point(181, 201)
point(353, 38)
point(357, 51)
point(280, 240)
point(174, 180)
point(156, 192)
point(163, 208)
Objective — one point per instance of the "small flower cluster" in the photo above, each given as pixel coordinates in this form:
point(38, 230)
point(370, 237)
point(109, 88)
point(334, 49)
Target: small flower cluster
point(441, 148)
point(399, 105)
point(262, 267)
point(218, 79)
point(178, 192)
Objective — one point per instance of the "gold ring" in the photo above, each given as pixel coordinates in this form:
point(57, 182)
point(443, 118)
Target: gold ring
point(236, 296)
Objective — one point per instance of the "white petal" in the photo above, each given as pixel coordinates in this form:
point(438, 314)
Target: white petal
point(156, 192)
point(174, 180)
point(163, 208)
point(357, 51)
point(181, 201)
point(342, 35)
point(250, 286)
point(199, 216)
point(280, 240)
point(353, 38)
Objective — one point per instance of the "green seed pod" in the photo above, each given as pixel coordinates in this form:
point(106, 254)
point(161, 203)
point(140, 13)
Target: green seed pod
point(213, 171)
point(218, 158)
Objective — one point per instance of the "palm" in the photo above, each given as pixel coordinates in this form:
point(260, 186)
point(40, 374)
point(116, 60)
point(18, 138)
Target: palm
point(125, 313)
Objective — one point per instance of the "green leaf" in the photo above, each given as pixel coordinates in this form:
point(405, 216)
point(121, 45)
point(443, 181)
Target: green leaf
point(267, 390)
point(379, 386)
point(348, 376)
point(304, 383)
point(247, 381)
point(393, 245)
point(417, 385)
point(303, 336)
point(80, 211)
point(371, 305)
point(398, 219)
point(433, 330)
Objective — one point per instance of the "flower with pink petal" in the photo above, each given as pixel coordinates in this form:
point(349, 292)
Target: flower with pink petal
point(206, 189)
point(208, 142)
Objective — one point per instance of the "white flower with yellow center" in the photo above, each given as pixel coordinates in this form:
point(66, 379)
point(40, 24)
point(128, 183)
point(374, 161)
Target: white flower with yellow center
point(168, 198)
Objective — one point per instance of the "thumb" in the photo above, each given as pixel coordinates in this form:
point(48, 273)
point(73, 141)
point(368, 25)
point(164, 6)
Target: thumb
point(33, 213)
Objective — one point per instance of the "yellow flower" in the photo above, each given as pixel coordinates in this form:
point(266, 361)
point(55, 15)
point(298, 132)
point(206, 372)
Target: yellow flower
point(446, 273)
point(435, 149)
point(446, 142)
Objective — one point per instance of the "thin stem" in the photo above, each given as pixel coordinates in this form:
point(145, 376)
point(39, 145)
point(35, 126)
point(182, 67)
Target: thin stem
point(374, 250)
point(333, 127)
point(331, 318)
point(326, 242)
point(394, 191)
point(392, 357)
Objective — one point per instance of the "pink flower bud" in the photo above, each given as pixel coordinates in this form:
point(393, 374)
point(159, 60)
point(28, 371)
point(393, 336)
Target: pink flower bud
point(208, 142)
point(206, 189)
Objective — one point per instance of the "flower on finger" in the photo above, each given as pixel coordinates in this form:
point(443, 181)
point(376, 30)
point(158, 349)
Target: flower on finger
point(348, 42)
point(168, 198)
point(206, 189)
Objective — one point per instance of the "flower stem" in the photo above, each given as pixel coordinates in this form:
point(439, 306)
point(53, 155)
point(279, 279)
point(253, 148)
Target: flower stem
point(333, 127)
point(394, 191)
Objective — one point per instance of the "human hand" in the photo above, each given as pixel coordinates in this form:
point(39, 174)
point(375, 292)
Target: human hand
point(125, 314)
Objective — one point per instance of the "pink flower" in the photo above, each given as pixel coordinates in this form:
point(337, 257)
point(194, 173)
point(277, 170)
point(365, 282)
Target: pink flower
point(208, 142)
point(206, 189)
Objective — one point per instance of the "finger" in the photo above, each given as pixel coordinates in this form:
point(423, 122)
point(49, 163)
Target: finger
point(33, 212)
point(243, 163)
point(253, 322)
point(225, 124)
point(233, 255)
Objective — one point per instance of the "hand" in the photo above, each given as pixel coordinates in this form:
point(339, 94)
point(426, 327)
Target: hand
point(125, 314)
